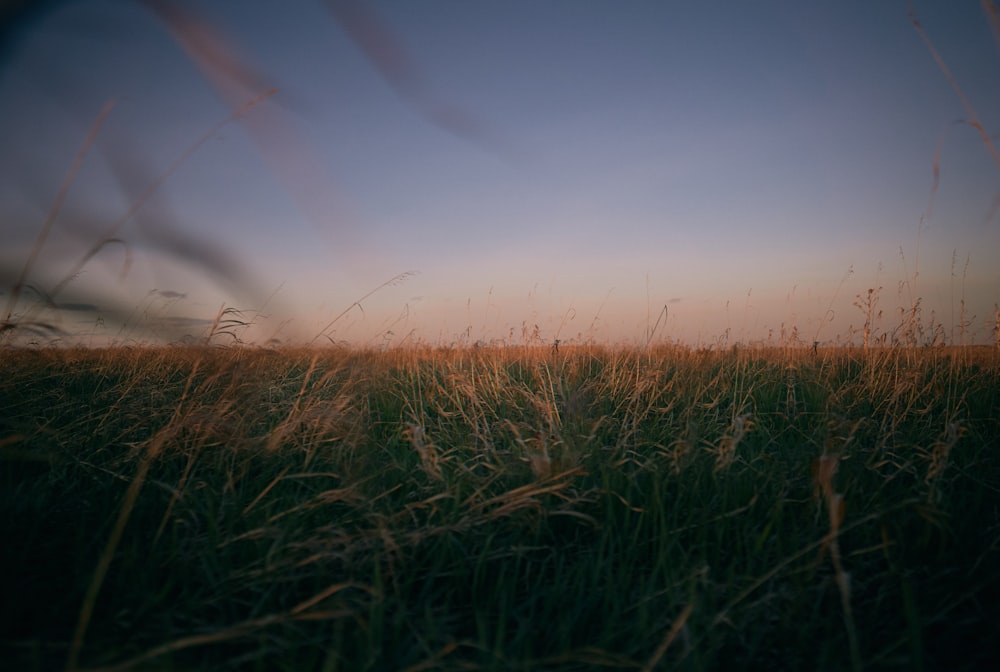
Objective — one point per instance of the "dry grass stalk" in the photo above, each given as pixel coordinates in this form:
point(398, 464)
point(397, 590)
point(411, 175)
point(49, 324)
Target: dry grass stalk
point(429, 459)
point(433, 661)
point(939, 457)
point(973, 119)
point(43, 235)
point(263, 493)
point(824, 470)
point(726, 451)
point(678, 627)
point(993, 14)
point(526, 496)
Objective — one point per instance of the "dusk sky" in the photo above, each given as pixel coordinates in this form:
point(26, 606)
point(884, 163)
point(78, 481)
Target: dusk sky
point(576, 165)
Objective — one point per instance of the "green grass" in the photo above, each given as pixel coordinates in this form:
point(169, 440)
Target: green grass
point(180, 509)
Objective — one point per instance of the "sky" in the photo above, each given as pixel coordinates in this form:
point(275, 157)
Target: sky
point(448, 172)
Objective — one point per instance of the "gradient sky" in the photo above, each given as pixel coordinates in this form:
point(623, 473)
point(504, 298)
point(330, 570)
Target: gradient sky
point(576, 165)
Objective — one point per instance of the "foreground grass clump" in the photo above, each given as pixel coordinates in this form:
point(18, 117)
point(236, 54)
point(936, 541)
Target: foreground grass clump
point(499, 509)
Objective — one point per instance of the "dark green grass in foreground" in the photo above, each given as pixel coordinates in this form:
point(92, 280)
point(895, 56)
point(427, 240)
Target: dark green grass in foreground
point(499, 510)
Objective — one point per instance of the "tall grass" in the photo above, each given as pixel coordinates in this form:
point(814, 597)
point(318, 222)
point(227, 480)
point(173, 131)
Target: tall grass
point(196, 508)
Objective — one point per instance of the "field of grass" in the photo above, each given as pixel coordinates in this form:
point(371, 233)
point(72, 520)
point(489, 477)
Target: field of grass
point(516, 509)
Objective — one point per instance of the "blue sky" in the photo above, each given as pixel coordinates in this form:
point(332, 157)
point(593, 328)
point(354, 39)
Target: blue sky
point(576, 165)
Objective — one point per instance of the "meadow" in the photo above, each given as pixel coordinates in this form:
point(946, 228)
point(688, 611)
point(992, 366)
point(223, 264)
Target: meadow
point(189, 508)
point(192, 507)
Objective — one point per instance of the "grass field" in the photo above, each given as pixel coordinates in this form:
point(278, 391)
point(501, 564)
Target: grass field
point(239, 508)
